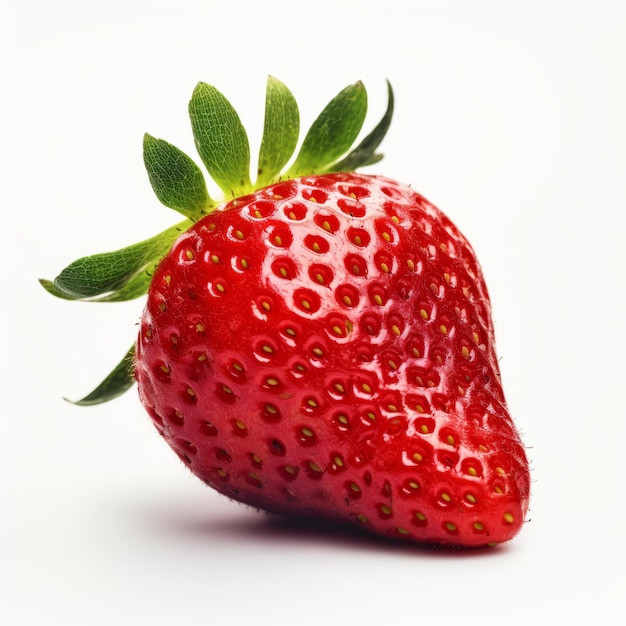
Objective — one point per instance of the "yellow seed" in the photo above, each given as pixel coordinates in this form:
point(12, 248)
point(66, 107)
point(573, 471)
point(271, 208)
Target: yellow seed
point(240, 425)
point(244, 264)
point(199, 327)
point(470, 498)
point(278, 241)
point(215, 258)
point(226, 389)
point(292, 215)
point(384, 267)
point(339, 387)
point(378, 300)
point(385, 510)
point(191, 392)
point(272, 382)
point(475, 337)
point(342, 419)
point(222, 473)
point(189, 254)
point(478, 526)
point(443, 329)
point(446, 277)
point(326, 225)
point(413, 485)
point(320, 279)
point(403, 531)
point(168, 279)
point(498, 489)
point(338, 461)
point(290, 469)
point(257, 214)
point(420, 516)
point(500, 471)
point(316, 247)
point(268, 349)
point(446, 497)
point(312, 199)
point(306, 305)
point(362, 518)
point(419, 408)
point(202, 357)
point(424, 314)
point(318, 352)
point(357, 240)
point(290, 331)
point(220, 287)
point(239, 235)
point(450, 526)
point(465, 351)
point(387, 237)
point(425, 430)
point(366, 388)
point(450, 440)
point(418, 457)
point(508, 518)
point(307, 432)
point(472, 471)
point(392, 365)
point(396, 330)
point(314, 467)
point(411, 264)
point(416, 353)
point(392, 408)
point(355, 487)
point(395, 219)
point(347, 301)
point(266, 305)
point(165, 368)
point(312, 403)
point(270, 408)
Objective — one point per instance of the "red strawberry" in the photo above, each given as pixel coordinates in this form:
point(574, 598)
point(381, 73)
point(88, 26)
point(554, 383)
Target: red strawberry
point(321, 345)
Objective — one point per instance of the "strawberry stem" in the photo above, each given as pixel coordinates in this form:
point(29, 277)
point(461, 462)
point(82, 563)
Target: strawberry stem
point(179, 184)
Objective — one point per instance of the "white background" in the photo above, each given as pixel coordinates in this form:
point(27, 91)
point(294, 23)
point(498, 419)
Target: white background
point(510, 117)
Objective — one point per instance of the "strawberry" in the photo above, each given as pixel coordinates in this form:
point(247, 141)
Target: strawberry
point(321, 344)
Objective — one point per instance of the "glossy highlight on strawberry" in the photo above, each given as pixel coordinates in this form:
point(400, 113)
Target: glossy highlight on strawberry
point(320, 345)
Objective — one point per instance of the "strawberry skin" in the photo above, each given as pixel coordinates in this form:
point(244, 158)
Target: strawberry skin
point(324, 347)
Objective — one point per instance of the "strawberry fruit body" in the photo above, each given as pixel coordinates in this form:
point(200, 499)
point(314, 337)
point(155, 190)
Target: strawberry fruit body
point(322, 345)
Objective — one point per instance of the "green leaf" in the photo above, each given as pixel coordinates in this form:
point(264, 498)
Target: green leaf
point(115, 276)
point(221, 140)
point(365, 152)
point(332, 133)
point(280, 132)
point(177, 181)
point(121, 379)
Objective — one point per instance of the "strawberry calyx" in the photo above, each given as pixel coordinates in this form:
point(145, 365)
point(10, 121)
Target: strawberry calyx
point(179, 183)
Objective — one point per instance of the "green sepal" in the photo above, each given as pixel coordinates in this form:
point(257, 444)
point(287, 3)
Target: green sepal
point(120, 380)
point(332, 133)
point(175, 178)
point(365, 153)
point(114, 276)
point(221, 140)
point(280, 132)
point(223, 146)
